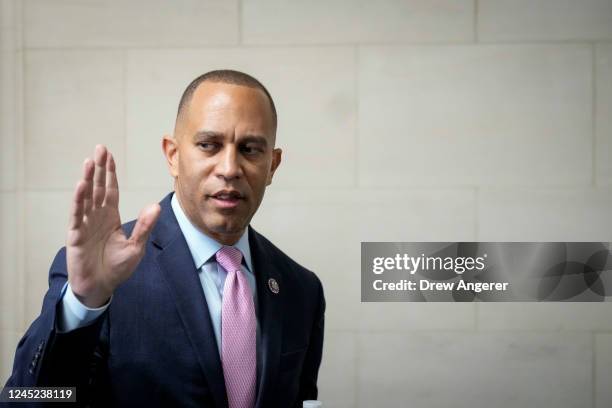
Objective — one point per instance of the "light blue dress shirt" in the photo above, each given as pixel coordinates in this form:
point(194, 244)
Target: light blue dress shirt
point(74, 314)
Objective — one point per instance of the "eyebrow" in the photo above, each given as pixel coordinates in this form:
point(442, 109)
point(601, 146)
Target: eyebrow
point(255, 139)
point(208, 134)
point(212, 135)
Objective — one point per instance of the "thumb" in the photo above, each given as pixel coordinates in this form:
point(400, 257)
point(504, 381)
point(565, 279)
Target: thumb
point(144, 225)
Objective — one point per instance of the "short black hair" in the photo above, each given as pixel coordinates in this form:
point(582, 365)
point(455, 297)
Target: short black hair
point(227, 76)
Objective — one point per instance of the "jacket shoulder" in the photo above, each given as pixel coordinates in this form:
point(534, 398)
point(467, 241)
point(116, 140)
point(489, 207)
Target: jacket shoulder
point(291, 267)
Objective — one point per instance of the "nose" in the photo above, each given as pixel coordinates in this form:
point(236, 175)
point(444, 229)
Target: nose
point(228, 166)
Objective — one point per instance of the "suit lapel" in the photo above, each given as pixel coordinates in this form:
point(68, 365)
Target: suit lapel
point(270, 315)
point(178, 269)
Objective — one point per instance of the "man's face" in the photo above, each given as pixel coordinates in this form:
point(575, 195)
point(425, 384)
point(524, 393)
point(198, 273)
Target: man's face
point(222, 157)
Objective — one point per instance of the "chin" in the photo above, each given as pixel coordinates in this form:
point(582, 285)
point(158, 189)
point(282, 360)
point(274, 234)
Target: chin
point(227, 227)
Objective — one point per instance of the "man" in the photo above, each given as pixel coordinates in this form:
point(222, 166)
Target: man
point(195, 308)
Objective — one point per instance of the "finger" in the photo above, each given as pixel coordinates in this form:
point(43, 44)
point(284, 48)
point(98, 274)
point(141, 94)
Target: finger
point(99, 181)
point(146, 221)
point(78, 206)
point(88, 174)
point(112, 187)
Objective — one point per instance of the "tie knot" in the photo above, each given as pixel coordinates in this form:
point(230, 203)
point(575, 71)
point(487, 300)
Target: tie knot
point(229, 258)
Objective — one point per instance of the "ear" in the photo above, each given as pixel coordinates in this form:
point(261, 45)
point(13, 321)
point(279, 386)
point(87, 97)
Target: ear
point(276, 160)
point(170, 148)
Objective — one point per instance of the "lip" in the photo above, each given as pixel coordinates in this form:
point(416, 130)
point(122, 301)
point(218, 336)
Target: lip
point(226, 202)
point(227, 198)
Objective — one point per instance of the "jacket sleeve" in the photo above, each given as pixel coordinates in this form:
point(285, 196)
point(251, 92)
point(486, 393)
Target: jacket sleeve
point(45, 357)
point(312, 361)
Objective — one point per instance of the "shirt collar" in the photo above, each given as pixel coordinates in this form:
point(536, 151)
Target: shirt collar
point(203, 247)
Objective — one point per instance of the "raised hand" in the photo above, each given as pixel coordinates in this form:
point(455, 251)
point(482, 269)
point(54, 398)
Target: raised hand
point(99, 256)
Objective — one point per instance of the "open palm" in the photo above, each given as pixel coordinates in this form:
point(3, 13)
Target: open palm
point(99, 255)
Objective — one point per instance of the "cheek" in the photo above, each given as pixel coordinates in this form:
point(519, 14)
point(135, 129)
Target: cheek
point(259, 173)
point(256, 182)
point(193, 171)
point(259, 187)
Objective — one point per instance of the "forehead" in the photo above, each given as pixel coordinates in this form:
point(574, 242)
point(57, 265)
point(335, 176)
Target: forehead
point(219, 105)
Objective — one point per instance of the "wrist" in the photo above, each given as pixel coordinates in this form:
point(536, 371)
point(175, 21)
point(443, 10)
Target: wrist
point(91, 298)
point(93, 301)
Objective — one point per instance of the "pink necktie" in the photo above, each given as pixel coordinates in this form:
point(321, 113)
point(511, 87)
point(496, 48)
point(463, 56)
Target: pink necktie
point(238, 332)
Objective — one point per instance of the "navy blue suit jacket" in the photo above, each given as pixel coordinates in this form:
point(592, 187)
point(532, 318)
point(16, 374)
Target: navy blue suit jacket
point(155, 345)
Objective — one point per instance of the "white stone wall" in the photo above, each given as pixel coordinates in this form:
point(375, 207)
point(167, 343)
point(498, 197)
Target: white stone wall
point(411, 120)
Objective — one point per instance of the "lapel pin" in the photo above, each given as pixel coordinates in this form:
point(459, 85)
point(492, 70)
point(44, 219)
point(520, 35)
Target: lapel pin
point(273, 285)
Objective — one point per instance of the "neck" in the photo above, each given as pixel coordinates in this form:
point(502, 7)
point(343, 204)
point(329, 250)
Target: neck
point(224, 239)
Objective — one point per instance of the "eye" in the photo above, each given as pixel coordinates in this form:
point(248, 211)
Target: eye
point(207, 146)
point(252, 149)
